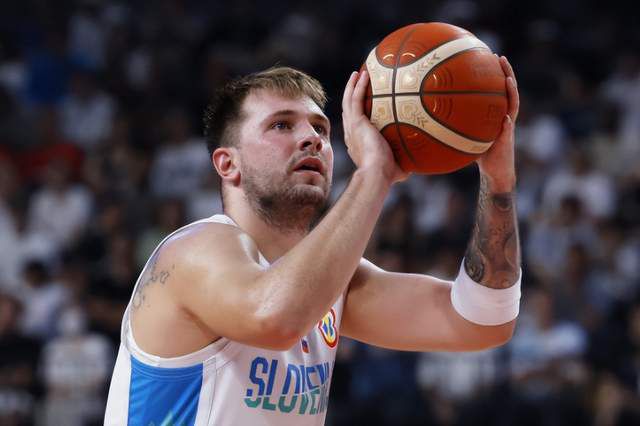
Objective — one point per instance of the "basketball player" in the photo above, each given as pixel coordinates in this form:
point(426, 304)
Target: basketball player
point(235, 319)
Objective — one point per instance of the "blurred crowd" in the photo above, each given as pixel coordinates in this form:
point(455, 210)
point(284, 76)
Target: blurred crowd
point(101, 155)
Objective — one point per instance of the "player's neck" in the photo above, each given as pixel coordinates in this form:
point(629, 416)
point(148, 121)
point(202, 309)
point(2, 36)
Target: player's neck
point(273, 242)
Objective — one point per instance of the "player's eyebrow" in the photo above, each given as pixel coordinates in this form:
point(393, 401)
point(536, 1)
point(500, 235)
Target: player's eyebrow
point(290, 112)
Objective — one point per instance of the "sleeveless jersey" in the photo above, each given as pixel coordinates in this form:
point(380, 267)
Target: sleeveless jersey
point(226, 383)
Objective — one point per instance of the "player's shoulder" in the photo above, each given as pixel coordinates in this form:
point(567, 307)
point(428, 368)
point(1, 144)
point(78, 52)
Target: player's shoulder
point(209, 243)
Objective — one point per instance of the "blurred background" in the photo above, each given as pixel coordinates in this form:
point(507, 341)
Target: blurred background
point(101, 155)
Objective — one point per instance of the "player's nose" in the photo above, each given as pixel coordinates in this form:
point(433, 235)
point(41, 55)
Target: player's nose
point(310, 140)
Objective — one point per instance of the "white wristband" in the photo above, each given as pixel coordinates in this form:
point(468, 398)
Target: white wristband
point(483, 305)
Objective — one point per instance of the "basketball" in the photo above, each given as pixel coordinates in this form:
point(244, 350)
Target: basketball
point(437, 94)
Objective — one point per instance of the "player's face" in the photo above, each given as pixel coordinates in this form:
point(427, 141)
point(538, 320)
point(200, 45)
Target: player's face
point(286, 156)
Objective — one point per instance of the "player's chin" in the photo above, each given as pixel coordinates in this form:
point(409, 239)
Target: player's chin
point(310, 194)
point(312, 190)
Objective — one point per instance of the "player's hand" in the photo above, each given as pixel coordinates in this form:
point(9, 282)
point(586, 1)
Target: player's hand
point(366, 146)
point(498, 163)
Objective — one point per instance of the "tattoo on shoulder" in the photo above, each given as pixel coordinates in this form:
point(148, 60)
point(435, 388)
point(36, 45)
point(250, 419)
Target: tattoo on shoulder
point(493, 255)
point(151, 275)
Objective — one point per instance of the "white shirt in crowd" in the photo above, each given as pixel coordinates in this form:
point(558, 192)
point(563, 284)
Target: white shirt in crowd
point(60, 215)
point(87, 122)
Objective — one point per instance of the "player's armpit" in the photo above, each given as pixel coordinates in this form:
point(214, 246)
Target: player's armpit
point(218, 281)
point(411, 312)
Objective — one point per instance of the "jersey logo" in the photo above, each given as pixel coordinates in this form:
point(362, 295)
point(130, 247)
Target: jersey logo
point(327, 327)
point(305, 346)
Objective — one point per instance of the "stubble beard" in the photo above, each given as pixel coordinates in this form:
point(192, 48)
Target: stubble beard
point(284, 206)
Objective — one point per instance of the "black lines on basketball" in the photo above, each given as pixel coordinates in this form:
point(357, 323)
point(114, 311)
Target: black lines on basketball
point(404, 145)
point(435, 93)
point(448, 77)
point(460, 92)
point(393, 96)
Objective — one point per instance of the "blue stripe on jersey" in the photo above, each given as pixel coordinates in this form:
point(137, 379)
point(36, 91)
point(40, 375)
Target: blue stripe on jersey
point(163, 396)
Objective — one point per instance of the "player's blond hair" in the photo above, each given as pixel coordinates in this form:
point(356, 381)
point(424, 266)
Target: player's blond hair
point(224, 113)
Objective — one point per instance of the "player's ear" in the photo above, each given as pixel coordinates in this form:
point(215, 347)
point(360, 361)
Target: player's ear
point(225, 160)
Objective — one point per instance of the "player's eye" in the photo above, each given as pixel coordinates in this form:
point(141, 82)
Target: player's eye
point(320, 129)
point(281, 125)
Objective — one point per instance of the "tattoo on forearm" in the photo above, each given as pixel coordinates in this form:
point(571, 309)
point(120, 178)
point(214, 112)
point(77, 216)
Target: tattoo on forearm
point(150, 276)
point(493, 255)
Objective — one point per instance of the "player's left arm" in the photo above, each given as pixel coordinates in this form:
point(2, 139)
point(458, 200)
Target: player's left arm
point(416, 312)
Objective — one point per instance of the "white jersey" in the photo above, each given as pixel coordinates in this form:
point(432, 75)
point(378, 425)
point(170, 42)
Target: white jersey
point(226, 383)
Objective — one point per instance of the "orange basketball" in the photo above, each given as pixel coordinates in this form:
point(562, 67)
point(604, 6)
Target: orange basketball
point(437, 94)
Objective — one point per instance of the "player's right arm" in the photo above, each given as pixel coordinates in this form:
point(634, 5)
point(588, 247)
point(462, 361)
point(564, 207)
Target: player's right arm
point(219, 281)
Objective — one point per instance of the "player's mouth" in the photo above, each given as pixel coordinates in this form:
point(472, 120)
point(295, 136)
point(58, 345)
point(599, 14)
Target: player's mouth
point(309, 165)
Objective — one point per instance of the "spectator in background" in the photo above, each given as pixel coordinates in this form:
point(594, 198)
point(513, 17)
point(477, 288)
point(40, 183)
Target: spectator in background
point(550, 238)
point(111, 285)
point(542, 145)
point(593, 188)
point(181, 163)
point(60, 209)
point(450, 380)
point(583, 291)
point(21, 244)
point(104, 258)
point(617, 390)
point(87, 113)
point(87, 37)
point(623, 89)
point(578, 112)
point(376, 374)
point(547, 364)
point(75, 366)
point(119, 169)
point(615, 263)
point(19, 357)
point(42, 298)
point(108, 222)
point(541, 135)
point(606, 151)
